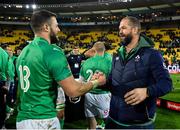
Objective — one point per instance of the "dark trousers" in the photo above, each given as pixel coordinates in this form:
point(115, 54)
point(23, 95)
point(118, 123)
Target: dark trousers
point(2, 105)
point(11, 95)
point(74, 112)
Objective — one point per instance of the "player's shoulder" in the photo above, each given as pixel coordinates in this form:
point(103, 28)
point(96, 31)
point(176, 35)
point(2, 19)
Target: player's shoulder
point(51, 50)
point(108, 54)
point(3, 52)
point(87, 62)
point(56, 48)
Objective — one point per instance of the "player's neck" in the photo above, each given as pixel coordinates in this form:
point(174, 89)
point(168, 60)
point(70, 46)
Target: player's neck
point(100, 53)
point(43, 35)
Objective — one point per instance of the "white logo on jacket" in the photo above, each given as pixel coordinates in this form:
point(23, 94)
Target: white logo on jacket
point(137, 58)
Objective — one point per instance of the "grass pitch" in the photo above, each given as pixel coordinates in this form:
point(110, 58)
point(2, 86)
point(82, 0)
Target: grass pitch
point(175, 94)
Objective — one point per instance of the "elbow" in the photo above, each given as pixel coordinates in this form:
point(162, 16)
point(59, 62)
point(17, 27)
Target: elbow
point(168, 87)
point(72, 93)
point(161, 89)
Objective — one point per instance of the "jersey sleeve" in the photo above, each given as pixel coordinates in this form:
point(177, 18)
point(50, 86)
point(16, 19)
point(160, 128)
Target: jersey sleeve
point(58, 65)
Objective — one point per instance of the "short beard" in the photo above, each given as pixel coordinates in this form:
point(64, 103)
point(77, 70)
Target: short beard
point(127, 40)
point(54, 39)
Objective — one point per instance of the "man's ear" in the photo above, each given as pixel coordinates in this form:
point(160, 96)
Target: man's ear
point(46, 27)
point(135, 30)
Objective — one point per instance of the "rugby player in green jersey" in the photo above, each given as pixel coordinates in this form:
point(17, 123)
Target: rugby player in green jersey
point(39, 66)
point(3, 78)
point(97, 101)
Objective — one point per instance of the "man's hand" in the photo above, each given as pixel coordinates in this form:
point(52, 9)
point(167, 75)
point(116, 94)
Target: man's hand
point(100, 77)
point(60, 114)
point(136, 96)
point(96, 75)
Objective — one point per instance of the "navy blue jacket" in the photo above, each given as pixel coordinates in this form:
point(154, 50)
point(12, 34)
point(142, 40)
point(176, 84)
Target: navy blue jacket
point(144, 69)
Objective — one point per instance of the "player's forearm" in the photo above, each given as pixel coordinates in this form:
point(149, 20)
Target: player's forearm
point(73, 88)
point(82, 88)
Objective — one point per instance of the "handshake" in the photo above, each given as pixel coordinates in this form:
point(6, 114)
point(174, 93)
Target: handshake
point(98, 79)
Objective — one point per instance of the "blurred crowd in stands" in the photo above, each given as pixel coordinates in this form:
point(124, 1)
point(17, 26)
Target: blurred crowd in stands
point(167, 41)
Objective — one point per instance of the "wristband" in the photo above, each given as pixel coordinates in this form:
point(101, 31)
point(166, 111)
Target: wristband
point(60, 106)
point(95, 83)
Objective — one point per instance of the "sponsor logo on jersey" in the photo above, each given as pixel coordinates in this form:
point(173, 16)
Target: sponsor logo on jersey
point(56, 49)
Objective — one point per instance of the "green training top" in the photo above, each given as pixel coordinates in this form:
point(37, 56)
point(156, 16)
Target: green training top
point(94, 64)
point(3, 64)
point(38, 66)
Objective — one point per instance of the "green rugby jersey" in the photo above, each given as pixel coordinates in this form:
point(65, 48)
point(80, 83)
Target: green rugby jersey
point(3, 64)
point(94, 64)
point(11, 69)
point(39, 66)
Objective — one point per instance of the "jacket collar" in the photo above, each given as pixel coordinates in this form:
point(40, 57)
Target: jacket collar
point(141, 44)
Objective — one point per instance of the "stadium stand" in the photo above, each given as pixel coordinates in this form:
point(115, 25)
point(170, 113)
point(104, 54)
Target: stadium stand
point(82, 23)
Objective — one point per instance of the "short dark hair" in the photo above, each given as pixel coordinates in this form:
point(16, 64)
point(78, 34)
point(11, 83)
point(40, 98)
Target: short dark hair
point(133, 21)
point(40, 17)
